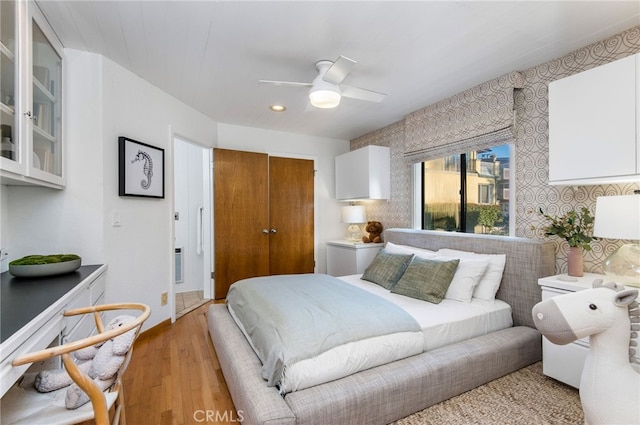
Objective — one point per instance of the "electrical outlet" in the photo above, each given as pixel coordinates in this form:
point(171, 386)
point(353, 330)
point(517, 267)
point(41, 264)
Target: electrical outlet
point(164, 298)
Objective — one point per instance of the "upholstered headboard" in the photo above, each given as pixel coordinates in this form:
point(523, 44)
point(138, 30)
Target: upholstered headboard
point(527, 260)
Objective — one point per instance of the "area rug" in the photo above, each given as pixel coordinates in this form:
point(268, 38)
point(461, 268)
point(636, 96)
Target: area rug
point(525, 397)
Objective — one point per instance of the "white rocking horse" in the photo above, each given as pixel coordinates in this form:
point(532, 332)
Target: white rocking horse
point(609, 315)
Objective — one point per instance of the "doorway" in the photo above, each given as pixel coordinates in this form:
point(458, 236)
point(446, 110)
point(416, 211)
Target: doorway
point(193, 231)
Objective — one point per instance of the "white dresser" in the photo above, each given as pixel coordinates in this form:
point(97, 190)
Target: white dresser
point(346, 258)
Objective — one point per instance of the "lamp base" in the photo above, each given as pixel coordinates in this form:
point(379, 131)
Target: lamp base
point(623, 266)
point(354, 233)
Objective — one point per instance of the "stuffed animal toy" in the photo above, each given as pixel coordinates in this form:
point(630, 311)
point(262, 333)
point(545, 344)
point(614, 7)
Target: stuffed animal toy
point(608, 314)
point(100, 362)
point(374, 228)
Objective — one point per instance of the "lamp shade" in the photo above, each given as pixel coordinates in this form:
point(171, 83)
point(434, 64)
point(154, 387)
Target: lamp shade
point(323, 94)
point(353, 214)
point(617, 217)
point(324, 99)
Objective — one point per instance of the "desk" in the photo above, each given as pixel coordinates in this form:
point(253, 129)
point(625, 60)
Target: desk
point(31, 313)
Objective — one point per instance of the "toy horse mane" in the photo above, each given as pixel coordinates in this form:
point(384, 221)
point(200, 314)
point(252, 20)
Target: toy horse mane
point(634, 318)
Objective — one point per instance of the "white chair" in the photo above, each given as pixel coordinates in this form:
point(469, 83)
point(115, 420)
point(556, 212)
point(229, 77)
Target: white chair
point(22, 404)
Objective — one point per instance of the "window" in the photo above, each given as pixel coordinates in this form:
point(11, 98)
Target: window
point(485, 193)
point(467, 192)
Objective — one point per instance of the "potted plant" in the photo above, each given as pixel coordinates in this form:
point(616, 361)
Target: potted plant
point(575, 227)
point(44, 265)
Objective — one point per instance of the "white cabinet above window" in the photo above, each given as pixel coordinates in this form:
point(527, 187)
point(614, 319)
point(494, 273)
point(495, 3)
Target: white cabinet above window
point(364, 174)
point(594, 125)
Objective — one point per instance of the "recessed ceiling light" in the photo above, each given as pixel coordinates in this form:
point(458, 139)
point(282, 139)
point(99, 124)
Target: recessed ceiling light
point(278, 108)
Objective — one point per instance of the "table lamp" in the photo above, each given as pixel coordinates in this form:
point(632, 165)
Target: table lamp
point(354, 215)
point(618, 217)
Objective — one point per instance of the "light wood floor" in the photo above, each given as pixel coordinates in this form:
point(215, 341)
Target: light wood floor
point(174, 376)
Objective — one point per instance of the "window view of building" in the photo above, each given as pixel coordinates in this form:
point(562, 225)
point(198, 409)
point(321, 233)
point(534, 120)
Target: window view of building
point(467, 192)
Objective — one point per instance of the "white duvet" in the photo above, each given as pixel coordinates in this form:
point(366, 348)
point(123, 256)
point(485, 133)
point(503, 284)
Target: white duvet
point(442, 324)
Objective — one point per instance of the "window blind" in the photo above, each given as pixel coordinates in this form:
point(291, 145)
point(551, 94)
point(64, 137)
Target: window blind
point(474, 119)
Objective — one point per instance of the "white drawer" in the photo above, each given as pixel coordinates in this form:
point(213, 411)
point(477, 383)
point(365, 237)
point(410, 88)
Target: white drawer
point(82, 300)
point(85, 327)
point(97, 289)
point(567, 361)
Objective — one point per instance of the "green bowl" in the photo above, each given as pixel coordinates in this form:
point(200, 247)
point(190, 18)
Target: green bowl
point(40, 270)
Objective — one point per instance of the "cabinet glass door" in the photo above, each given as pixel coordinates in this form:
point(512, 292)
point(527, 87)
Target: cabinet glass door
point(46, 108)
point(8, 81)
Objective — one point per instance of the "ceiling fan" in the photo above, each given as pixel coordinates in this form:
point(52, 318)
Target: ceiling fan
point(326, 90)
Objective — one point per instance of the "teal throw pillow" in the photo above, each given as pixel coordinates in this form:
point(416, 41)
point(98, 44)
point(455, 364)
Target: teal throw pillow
point(386, 268)
point(426, 280)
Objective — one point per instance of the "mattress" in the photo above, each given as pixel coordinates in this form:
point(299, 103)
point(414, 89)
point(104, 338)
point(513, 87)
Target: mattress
point(448, 322)
point(442, 324)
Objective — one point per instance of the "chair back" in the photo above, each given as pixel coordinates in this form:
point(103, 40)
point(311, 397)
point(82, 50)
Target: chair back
point(94, 392)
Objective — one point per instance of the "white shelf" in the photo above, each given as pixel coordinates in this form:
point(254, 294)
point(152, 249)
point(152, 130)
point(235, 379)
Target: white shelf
point(8, 53)
point(7, 109)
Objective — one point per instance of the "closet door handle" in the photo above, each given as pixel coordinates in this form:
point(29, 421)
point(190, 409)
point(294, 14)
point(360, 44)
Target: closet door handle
point(273, 230)
point(265, 231)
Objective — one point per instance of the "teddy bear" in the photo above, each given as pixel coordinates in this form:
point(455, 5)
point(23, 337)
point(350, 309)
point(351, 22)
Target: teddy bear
point(374, 228)
point(100, 362)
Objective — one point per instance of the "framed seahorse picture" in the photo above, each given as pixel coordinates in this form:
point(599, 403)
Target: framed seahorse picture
point(140, 169)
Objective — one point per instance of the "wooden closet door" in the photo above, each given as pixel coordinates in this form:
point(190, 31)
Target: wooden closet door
point(241, 196)
point(291, 242)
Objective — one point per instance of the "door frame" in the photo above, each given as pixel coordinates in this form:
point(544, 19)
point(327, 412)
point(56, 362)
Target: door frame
point(313, 158)
point(208, 252)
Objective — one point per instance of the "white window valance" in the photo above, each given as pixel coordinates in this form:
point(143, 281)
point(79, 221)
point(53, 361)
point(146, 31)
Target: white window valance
point(474, 119)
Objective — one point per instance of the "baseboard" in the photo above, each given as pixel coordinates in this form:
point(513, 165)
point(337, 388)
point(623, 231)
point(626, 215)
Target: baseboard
point(160, 327)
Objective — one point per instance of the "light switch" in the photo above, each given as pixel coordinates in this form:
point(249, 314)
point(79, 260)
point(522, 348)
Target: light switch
point(116, 219)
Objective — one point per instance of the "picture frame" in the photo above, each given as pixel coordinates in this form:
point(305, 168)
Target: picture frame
point(140, 169)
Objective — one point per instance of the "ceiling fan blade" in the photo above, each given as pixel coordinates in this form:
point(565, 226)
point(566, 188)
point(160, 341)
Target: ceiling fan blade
point(285, 83)
point(362, 94)
point(339, 70)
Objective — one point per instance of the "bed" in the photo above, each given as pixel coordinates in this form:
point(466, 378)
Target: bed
point(391, 391)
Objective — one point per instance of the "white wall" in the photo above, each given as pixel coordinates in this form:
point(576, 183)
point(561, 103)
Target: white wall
point(139, 253)
point(322, 150)
point(4, 229)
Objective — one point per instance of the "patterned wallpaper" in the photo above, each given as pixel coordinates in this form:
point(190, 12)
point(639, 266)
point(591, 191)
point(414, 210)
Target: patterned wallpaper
point(531, 155)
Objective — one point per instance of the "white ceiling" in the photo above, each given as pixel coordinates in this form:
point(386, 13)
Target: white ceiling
point(211, 54)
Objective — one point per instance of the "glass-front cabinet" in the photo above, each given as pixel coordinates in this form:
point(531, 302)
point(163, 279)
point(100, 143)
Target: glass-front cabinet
point(31, 99)
point(8, 80)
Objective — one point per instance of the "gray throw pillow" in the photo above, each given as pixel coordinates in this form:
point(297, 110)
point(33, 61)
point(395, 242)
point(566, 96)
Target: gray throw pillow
point(386, 268)
point(426, 280)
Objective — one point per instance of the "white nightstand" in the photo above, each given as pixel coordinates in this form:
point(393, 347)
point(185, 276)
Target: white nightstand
point(346, 258)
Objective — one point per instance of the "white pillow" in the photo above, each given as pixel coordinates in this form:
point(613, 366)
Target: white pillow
point(466, 278)
point(490, 281)
point(406, 249)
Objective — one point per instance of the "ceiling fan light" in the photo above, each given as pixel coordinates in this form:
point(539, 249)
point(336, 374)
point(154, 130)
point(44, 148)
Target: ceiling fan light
point(324, 99)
